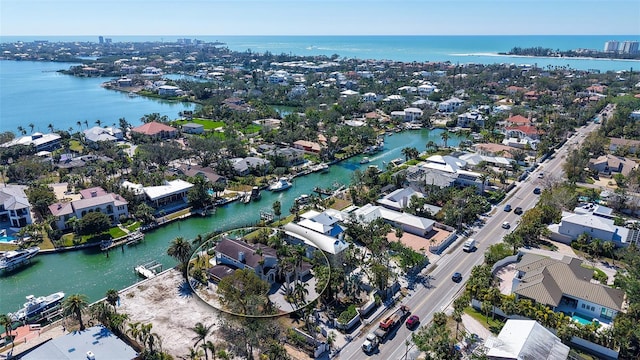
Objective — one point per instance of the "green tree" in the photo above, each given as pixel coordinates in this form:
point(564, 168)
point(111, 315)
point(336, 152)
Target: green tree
point(277, 208)
point(74, 305)
point(94, 223)
point(201, 331)
point(435, 340)
point(40, 197)
point(112, 298)
point(7, 323)
point(243, 292)
point(198, 196)
point(180, 249)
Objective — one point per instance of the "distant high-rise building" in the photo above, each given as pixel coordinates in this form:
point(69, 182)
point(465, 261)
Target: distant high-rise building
point(629, 47)
point(107, 40)
point(101, 39)
point(611, 46)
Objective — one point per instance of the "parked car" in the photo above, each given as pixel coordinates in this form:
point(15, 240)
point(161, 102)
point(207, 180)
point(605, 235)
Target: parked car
point(457, 277)
point(412, 321)
point(518, 210)
point(507, 208)
point(540, 175)
point(537, 191)
point(506, 225)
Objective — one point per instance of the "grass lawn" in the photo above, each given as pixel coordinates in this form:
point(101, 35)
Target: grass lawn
point(177, 214)
point(75, 145)
point(207, 124)
point(493, 325)
point(135, 226)
point(116, 232)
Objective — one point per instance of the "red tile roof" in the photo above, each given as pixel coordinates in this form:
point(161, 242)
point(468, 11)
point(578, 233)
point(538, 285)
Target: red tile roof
point(519, 119)
point(153, 128)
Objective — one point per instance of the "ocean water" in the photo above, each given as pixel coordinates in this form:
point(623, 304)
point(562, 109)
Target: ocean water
point(33, 92)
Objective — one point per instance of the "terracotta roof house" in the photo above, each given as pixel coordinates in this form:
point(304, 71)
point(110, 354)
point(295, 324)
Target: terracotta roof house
point(94, 199)
point(564, 285)
point(308, 146)
point(157, 130)
point(518, 120)
point(523, 131)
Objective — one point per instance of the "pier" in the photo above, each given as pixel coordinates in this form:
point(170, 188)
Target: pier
point(148, 270)
point(129, 239)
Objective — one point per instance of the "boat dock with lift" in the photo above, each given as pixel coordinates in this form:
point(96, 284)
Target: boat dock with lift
point(129, 239)
point(149, 270)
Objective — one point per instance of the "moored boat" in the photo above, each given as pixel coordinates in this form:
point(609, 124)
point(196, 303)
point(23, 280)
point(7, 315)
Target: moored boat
point(13, 258)
point(36, 305)
point(282, 184)
point(364, 160)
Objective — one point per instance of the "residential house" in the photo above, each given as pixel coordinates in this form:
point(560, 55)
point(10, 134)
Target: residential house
point(94, 199)
point(193, 128)
point(472, 117)
point(517, 120)
point(156, 130)
point(321, 231)
point(411, 224)
point(423, 179)
point(14, 206)
point(308, 146)
point(450, 105)
point(572, 225)
point(298, 91)
point(244, 166)
point(522, 132)
point(232, 254)
point(491, 149)
point(89, 344)
point(197, 170)
point(96, 134)
point(372, 97)
point(286, 157)
point(564, 285)
point(67, 161)
point(426, 89)
point(631, 146)
point(608, 164)
point(171, 192)
point(525, 339)
point(399, 199)
point(269, 123)
point(41, 142)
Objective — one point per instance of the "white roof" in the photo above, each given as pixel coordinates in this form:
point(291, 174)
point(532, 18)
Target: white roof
point(526, 339)
point(444, 163)
point(323, 242)
point(169, 188)
point(371, 212)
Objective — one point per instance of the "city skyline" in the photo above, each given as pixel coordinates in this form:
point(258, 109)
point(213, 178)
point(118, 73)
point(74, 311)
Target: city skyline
point(319, 17)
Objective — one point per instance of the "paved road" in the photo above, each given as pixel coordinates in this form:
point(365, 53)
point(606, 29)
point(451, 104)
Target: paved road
point(435, 294)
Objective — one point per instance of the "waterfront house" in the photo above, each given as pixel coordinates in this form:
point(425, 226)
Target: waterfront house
point(399, 199)
point(197, 170)
point(15, 208)
point(156, 130)
point(232, 254)
point(285, 157)
point(41, 142)
point(411, 224)
point(564, 285)
point(471, 117)
point(96, 134)
point(450, 105)
point(94, 199)
point(308, 146)
point(525, 339)
point(193, 128)
point(321, 231)
point(169, 90)
point(244, 166)
point(170, 193)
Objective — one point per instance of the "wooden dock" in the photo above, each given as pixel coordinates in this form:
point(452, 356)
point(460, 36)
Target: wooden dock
point(148, 270)
point(129, 239)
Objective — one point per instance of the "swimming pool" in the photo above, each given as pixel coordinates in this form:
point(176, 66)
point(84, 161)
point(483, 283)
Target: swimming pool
point(7, 239)
point(582, 319)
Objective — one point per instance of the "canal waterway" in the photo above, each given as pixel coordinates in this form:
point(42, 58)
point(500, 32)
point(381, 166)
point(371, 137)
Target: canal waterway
point(92, 273)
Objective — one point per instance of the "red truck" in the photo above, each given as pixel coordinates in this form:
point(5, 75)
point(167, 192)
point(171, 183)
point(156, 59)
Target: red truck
point(389, 323)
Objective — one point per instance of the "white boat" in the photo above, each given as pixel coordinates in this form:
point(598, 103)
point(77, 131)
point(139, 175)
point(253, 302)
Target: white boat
point(35, 305)
point(303, 199)
point(13, 258)
point(324, 168)
point(364, 160)
point(282, 184)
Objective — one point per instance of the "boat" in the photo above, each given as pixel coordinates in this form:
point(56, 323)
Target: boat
point(303, 199)
point(13, 258)
point(246, 198)
point(364, 160)
point(255, 194)
point(324, 168)
point(282, 184)
point(36, 305)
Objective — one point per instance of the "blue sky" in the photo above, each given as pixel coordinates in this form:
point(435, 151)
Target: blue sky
point(319, 17)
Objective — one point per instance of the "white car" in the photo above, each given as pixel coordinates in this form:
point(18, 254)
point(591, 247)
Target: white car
point(506, 225)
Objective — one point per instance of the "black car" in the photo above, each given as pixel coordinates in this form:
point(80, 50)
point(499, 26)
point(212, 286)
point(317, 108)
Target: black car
point(457, 277)
point(518, 210)
point(536, 191)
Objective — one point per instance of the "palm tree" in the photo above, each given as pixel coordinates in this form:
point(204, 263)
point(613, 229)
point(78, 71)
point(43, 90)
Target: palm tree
point(31, 126)
point(22, 130)
point(445, 136)
point(74, 305)
point(7, 322)
point(86, 123)
point(51, 128)
point(99, 122)
point(210, 346)
point(113, 297)
point(180, 249)
point(201, 332)
point(79, 123)
point(102, 313)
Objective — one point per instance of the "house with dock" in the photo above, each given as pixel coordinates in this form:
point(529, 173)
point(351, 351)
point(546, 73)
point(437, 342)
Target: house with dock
point(14, 206)
point(94, 199)
point(233, 254)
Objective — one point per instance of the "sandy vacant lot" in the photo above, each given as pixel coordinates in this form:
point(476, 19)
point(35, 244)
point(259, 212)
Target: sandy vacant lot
point(166, 302)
